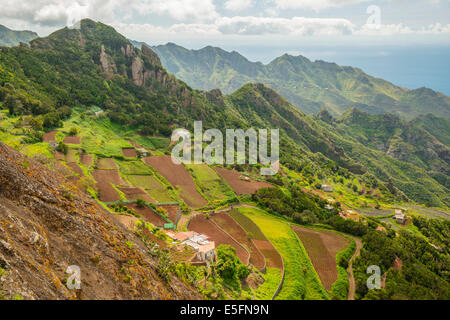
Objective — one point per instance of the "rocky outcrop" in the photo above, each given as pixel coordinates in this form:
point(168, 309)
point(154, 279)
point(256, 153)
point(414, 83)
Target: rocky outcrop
point(107, 66)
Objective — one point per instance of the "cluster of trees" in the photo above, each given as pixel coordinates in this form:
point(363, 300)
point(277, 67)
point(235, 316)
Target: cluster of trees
point(229, 267)
point(423, 272)
point(296, 204)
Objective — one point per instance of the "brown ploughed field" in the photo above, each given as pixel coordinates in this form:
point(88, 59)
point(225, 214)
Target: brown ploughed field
point(148, 214)
point(203, 226)
point(72, 140)
point(227, 223)
point(179, 177)
point(322, 247)
point(233, 178)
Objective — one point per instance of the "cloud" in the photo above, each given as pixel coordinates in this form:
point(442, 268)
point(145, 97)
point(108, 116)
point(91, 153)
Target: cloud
point(197, 10)
point(282, 26)
point(248, 26)
point(313, 4)
point(238, 5)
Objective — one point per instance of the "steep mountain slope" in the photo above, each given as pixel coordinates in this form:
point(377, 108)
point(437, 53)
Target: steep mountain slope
point(399, 139)
point(10, 38)
point(308, 85)
point(436, 126)
point(96, 66)
point(47, 225)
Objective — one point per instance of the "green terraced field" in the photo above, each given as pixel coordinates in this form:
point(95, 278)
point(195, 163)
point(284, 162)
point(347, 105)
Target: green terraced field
point(150, 184)
point(211, 184)
point(301, 281)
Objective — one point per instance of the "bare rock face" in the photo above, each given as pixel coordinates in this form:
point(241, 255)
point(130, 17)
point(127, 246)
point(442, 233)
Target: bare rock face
point(107, 66)
point(47, 225)
point(137, 71)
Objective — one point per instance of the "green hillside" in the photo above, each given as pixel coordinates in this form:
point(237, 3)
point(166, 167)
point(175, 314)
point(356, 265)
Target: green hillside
point(10, 38)
point(309, 85)
point(95, 67)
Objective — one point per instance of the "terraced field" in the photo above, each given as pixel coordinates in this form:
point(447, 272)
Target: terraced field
point(322, 248)
point(241, 186)
point(229, 225)
point(212, 185)
point(204, 226)
point(179, 177)
point(152, 186)
point(301, 281)
point(271, 255)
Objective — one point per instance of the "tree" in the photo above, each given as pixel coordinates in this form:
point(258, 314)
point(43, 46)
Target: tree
point(12, 104)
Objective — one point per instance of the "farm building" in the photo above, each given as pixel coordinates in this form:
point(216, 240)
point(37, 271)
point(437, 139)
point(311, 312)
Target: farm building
point(399, 216)
point(199, 242)
point(327, 188)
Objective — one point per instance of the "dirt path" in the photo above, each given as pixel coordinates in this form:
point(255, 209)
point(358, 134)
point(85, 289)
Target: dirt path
point(351, 278)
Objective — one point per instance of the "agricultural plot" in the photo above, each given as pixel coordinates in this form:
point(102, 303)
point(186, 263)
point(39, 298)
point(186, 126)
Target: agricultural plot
point(87, 160)
point(71, 156)
point(179, 177)
point(106, 164)
point(75, 168)
point(72, 140)
point(212, 185)
point(135, 167)
point(152, 186)
point(148, 214)
point(301, 281)
point(229, 225)
point(271, 255)
point(171, 211)
point(241, 186)
point(136, 193)
point(105, 179)
point(202, 225)
point(322, 248)
point(129, 152)
point(49, 136)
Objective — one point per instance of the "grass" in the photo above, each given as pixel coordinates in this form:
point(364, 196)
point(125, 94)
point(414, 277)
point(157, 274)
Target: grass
point(149, 183)
point(134, 167)
point(210, 183)
point(272, 278)
point(301, 281)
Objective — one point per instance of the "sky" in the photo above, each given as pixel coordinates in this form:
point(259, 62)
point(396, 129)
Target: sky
point(351, 32)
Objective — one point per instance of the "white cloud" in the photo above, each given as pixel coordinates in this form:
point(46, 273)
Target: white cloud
point(197, 10)
point(313, 4)
point(282, 26)
point(238, 5)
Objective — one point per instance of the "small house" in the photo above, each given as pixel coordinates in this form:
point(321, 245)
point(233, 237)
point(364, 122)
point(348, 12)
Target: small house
point(327, 188)
point(352, 215)
point(399, 216)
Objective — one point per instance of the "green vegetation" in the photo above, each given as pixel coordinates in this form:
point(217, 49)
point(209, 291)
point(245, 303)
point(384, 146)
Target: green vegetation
point(423, 273)
point(310, 85)
point(272, 279)
point(211, 184)
point(229, 267)
point(339, 290)
point(10, 38)
point(301, 281)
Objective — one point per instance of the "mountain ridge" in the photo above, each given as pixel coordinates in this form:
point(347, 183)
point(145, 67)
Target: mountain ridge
point(10, 38)
point(310, 85)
